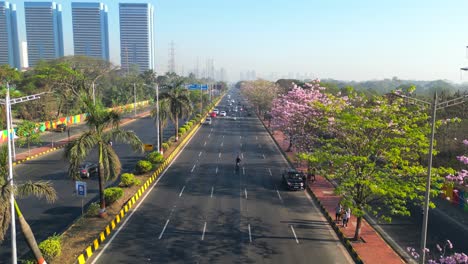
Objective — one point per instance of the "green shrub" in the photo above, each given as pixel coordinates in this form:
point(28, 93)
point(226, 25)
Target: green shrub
point(51, 247)
point(165, 146)
point(180, 135)
point(128, 179)
point(194, 121)
point(30, 260)
point(182, 130)
point(143, 166)
point(189, 123)
point(112, 194)
point(171, 140)
point(93, 209)
point(198, 116)
point(155, 157)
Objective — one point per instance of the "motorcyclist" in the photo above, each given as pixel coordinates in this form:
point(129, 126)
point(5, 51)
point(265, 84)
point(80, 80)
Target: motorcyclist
point(238, 160)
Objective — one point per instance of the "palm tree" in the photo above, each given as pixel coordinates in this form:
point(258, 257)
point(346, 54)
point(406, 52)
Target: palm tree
point(177, 97)
point(163, 118)
point(103, 127)
point(39, 189)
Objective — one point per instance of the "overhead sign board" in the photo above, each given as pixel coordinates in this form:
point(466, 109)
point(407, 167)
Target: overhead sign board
point(197, 86)
point(80, 187)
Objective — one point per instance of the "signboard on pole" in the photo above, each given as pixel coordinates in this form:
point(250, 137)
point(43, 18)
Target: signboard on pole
point(202, 87)
point(148, 147)
point(80, 188)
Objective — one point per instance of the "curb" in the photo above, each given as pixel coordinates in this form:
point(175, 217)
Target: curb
point(337, 230)
point(88, 252)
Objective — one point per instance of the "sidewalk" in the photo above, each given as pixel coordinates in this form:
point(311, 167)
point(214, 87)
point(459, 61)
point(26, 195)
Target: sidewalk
point(372, 248)
point(39, 151)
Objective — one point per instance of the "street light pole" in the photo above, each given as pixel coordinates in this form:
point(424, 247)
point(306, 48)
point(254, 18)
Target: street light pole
point(157, 118)
point(94, 95)
point(134, 100)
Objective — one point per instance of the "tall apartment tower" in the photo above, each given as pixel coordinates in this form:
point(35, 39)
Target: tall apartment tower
point(90, 30)
point(44, 31)
point(136, 36)
point(9, 41)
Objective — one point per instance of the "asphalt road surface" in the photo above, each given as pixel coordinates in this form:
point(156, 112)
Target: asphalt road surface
point(46, 219)
point(203, 210)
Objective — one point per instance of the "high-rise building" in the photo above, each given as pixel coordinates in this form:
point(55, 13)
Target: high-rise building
point(9, 42)
point(90, 30)
point(24, 55)
point(136, 36)
point(44, 31)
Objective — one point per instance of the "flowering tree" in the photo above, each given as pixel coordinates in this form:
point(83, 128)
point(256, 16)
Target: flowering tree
point(460, 177)
point(292, 111)
point(441, 256)
point(260, 93)
point(373, 150)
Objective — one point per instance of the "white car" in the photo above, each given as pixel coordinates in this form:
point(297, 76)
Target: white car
point(222, 113)
point(216, 111)
point(207, 121)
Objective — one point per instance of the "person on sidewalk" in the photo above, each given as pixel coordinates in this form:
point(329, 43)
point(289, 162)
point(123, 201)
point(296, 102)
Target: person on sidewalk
point(346, 216)
point(338, 212)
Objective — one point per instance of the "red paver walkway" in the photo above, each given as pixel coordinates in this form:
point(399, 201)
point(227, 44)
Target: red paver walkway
point(374, 249)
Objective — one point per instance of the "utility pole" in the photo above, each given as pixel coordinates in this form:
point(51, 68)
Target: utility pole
point(134, 100)
point(157, 118)
point(8, 102)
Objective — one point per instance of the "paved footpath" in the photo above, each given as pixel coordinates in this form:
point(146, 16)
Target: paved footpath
point(374, 249)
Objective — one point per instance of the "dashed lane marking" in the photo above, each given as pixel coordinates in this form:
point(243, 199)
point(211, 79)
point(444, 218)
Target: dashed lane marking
point(294, 233)
point(182, 191)
point(164, 229)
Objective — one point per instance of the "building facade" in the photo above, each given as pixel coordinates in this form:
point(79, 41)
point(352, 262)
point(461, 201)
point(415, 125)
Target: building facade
point(9, 41)
point(90, 30)
point(44, 31)
point(136, 36)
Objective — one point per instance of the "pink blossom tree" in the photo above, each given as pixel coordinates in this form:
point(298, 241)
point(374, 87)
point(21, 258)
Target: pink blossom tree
point(292, 111)
point(460, 177)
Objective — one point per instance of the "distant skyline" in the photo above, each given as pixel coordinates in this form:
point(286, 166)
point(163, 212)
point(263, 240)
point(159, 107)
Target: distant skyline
point(345, 40)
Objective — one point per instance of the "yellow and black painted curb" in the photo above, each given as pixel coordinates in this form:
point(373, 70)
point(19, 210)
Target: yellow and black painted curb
point(335, 227)
point(88, 252)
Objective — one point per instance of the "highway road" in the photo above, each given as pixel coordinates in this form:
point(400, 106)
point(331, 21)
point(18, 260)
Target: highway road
point(46, 219)
point(203, 210)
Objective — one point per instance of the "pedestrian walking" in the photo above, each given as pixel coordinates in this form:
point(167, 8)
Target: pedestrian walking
point(338, 212)
point(346, 216)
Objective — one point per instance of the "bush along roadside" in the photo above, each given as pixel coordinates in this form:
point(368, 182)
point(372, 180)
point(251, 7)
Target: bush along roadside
point(171, 150)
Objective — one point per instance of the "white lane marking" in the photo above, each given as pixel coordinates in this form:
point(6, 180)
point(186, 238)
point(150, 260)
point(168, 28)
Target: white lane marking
point(222, 143)
point(223, 136)
point(243, 170)
point(139, 204)
point(209, 134)
point(250, 235)
point(204, 229)
point(193, 167)
point(211, 130)
point(219, 155)
point(256, 138)
point(245, 192)
point(212, 190)
point(279, 196)
point(204, 144)
point(240, 137)
point(263, 156)
point(183, 188)
point(294, 233)
point(216, 170)
point(242, 155)
point(269, 170)
point(199, 154)
point(241, 145)
point(164, 229)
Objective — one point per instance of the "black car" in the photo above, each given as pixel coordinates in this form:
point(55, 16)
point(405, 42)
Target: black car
point(294, 179)
point(87, 169)
point(60, 128)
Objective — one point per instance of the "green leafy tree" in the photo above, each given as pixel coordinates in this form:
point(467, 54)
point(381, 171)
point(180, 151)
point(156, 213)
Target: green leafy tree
point(164, 113)
point(39, 189)
point(28, 133)
point(103, 127)
point(373, 149)
point(179, 104)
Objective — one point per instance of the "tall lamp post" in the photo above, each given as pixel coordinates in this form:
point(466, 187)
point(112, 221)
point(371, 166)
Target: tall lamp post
point(435, 105)
point(8, 102)
point(157, 118)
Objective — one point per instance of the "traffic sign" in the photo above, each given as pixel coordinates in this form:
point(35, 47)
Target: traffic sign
point(197, 87)
point(80, 187)
point(148, 147)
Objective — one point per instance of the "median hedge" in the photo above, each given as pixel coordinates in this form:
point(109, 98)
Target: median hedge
point(112, 194)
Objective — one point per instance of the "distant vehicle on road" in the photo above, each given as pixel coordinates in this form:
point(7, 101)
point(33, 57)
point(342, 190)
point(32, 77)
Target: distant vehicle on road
point(60, 128)
point(207, 121)
point(213, 114)
point(294, 179)
point(87, 169)
point(222, 113)
point(216, 110)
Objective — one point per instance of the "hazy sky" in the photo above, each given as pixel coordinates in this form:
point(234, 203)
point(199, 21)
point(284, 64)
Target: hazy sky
point(341, 39)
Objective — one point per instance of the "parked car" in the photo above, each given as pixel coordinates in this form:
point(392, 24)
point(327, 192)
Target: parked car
point(87, 169)
point(207, 121)
point(60, 128)
point(294, 179)
point(222, 113)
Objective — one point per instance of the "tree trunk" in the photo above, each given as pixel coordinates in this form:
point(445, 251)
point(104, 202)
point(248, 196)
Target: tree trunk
point(290, 145)
point(161, 133)
point(29, 236)
point(357, 232)
point(102, 212)
point(176, 129)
